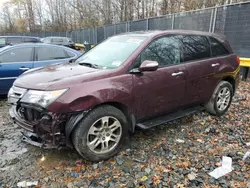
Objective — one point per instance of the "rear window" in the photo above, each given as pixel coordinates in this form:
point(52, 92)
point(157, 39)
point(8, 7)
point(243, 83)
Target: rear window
point(217, 48)
point(14, 40)
point(195, 47)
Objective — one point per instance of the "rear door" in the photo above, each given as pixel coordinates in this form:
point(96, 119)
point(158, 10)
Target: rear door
point(161, 91)
point(13, 63)
point(46, 55)
point(201, 68)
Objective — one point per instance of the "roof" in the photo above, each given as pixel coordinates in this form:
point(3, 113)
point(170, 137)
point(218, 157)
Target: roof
point(153, 33)
point(36, 45)
point(18, 36)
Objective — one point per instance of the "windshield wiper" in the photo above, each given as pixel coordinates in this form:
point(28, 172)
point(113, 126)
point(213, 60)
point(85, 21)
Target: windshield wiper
point(90, 65)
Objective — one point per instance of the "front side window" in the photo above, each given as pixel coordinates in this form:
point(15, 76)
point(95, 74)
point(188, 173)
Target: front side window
point(17, 55)
point(69, 54)
point(195, 47)
point(50, 53)
point(217, 48)
point(164, 50)
point(113, 52)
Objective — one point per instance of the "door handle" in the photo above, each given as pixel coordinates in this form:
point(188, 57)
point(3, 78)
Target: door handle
point(215, 65)
point(177, 73)
point(23, 68)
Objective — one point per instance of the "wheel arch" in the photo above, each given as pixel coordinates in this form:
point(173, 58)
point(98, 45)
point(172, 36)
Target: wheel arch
point(75, 119)
point(231, 80)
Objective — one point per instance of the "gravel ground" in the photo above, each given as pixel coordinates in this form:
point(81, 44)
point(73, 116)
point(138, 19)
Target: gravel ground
point(179, 154)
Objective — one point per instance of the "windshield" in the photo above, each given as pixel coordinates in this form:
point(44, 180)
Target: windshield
point(112, 52)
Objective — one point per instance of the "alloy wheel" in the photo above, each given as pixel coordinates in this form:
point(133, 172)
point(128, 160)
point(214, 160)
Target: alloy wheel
point(104, 135)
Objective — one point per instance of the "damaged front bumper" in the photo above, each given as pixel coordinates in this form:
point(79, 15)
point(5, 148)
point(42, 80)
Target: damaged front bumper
point(43, 128)
point(35, 140)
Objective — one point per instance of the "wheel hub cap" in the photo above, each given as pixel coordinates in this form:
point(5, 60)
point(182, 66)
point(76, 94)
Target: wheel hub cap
point(223, 99)
point(104, 135)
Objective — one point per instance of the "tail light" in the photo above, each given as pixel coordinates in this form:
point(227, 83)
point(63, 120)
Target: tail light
point(238, 60)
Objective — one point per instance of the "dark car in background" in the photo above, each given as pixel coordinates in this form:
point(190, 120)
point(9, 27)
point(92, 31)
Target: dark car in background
point(10, 40)
point(16, 59)
point(140, 79)
point(64, 41)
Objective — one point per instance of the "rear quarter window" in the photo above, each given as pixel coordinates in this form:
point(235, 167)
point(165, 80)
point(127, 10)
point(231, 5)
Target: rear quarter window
point(217, 49)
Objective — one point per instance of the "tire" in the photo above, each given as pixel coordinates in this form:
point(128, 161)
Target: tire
point(213, 106)
point(94, 122)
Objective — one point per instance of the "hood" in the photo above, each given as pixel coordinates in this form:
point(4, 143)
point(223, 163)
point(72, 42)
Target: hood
point(45, 77)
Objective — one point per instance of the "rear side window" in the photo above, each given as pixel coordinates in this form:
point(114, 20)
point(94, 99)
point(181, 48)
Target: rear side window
point(14, 40)
point(17, 55)
point(30, 40)
point(194, 47)
point(217, 48)
point(50, 53)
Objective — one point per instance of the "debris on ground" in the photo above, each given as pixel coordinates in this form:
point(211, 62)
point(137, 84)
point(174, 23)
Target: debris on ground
point(179, 154)
point(224, 169)
point(27, 184)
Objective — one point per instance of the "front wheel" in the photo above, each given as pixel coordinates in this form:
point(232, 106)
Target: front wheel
point(221, 99)
point(100, 134)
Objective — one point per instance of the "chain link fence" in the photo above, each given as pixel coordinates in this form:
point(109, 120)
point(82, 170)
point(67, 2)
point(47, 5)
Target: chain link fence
point(231, 20)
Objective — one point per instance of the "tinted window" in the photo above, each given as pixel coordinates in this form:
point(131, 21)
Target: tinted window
point(17, 55)
point(217, 48)
point(30, 40)
point(164, 50)
point(2, 41)
point(14, 40)
point(195, 47)
point(50, 53)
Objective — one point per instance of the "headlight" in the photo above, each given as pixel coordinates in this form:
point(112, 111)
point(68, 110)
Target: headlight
point(42, 98)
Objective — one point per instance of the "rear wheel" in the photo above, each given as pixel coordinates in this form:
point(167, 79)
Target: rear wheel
point(221, 99)
point(100, 134)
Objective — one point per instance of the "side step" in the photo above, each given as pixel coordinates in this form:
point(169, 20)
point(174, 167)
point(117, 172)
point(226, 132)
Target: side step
point(169, 117)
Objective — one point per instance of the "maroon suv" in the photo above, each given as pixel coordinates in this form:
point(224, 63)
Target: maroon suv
point(140, 79)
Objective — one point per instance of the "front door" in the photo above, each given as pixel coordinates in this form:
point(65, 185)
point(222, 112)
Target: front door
point(162, 91)
point(13, 63)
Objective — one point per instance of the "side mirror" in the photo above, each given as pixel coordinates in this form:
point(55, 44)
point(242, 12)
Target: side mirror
point(148, 66)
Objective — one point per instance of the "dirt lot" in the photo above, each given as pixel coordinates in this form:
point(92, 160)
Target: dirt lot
point(180, 154)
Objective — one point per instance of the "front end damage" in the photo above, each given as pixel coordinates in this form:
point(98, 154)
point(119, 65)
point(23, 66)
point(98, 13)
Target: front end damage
point(43, 128)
